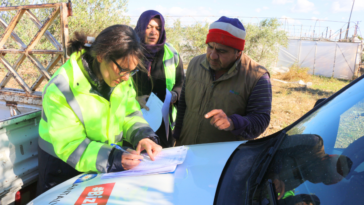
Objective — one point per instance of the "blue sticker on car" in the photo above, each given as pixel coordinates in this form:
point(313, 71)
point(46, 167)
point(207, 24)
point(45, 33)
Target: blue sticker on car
point(85, 177)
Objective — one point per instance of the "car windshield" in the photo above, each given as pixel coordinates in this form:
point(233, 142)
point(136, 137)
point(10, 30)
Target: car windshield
point(321, 159)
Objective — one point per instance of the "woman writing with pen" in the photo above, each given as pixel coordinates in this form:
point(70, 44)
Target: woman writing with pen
point(88, 105)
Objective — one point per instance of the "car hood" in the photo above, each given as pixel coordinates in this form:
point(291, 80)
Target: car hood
point(194, 182)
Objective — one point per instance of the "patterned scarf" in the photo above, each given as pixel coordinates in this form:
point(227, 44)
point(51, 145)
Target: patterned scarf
point(150, 51)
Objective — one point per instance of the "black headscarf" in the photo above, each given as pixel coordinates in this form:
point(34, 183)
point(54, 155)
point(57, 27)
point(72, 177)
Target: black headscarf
point(150, 51)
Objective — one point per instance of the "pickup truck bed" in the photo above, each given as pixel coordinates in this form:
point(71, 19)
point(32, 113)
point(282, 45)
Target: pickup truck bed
point(18, 149)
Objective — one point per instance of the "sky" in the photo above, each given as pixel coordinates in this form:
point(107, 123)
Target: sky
point(300, 17)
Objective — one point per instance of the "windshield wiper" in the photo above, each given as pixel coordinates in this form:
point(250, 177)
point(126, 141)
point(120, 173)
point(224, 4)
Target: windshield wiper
point(272, 193)
point(266, 159)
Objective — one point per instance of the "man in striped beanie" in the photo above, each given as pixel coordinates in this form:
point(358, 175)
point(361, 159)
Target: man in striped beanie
point(226, 96)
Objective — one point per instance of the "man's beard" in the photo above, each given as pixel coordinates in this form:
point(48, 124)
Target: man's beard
point(217, 66)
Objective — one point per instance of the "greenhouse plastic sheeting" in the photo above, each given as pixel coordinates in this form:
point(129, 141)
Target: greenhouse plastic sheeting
point(331, 59)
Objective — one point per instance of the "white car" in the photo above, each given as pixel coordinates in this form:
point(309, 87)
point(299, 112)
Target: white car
point(316, 160)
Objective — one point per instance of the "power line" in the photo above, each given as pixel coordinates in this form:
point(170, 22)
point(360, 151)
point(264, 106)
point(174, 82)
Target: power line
point(189, 16)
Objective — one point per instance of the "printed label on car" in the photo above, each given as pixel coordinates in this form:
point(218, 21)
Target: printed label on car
point(95, 195)
point(85, 177)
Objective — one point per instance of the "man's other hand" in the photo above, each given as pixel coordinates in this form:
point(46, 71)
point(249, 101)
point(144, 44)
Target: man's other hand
point(220, 120)
point(151, 147)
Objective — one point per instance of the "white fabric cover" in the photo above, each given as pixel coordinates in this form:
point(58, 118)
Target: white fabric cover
point(321, 57)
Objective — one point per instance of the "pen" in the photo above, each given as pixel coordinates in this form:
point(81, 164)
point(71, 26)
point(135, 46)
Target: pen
point(118, 147)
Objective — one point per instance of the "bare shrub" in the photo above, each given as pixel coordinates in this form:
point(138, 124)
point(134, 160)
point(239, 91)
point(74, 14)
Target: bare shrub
point(297, 73)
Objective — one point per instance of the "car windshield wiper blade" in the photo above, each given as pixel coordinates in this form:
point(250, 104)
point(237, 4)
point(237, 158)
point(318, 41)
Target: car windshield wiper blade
point(272, 193)
point(266, 159)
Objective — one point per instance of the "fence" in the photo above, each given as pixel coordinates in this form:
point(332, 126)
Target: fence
point(330, 59)
point(27, 94)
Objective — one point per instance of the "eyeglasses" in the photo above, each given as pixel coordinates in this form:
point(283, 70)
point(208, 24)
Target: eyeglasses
point(124, 71)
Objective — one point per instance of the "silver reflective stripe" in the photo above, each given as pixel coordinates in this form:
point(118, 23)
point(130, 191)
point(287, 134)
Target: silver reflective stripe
point(44, 117)
point(169, 62)
point(175, 56)
point(172, 49)
point(61, 83)
point(76, 155)
point(139, 131)
point(64, 87)
point(119, 137)
point(47, 147)
point(136, 126)
point(174, 60)
point(136, 113)
point(102, 158)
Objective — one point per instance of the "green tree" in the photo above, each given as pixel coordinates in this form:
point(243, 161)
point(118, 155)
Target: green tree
point(175, 34)
point(189, 40)
point(90, 16)
point(93, 16)
point(195, 40)
point(263, 41)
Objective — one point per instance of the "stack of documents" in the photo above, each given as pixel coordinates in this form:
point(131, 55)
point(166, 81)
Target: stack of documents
point(166, 161)
point(158, 111)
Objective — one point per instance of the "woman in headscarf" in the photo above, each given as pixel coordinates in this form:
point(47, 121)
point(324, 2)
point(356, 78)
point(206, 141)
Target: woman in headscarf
point(165, 69)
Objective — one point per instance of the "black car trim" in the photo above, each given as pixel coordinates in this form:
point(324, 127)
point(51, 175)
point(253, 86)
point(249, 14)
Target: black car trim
point(269, 157)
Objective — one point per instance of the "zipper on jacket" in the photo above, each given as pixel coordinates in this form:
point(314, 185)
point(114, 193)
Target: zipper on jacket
point(203, 96)
point(207, 103)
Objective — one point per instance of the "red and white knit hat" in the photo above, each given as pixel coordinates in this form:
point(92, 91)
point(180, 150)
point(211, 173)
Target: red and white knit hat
point(227, 31)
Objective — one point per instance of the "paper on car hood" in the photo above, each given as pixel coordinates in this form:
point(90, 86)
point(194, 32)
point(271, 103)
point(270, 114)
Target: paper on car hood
point(194, 182)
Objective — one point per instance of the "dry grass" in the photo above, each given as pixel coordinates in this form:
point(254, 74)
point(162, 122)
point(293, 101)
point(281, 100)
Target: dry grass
point(296, 73)
point(291, 101)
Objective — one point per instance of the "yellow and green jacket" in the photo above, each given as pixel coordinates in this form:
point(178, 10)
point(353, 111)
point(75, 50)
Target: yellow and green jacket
point(78, 126)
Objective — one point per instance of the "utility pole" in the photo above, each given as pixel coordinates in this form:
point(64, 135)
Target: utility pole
point(347, 30)
point(356, 29)
point(294, 31)
point(340, 34)
point(330, 35)
point(313, 36)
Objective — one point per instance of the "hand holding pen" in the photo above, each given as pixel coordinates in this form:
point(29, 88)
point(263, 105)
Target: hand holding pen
point(130, 158)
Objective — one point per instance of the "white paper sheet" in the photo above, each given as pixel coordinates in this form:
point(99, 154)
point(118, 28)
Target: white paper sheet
point(165, 111)
point(154, 115)
point(166, 161)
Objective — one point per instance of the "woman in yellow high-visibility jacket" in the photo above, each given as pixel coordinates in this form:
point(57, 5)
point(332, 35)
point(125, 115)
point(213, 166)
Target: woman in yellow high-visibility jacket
point(89, 105)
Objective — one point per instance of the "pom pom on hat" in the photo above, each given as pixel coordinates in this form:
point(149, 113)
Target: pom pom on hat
point(227, 31)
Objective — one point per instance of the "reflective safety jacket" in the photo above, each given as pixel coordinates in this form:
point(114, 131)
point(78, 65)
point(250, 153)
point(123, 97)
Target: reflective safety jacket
point(78, 126)
point(170, 62)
